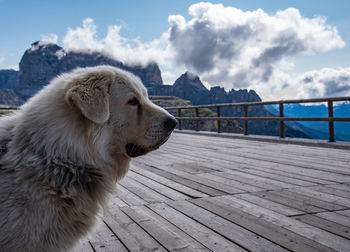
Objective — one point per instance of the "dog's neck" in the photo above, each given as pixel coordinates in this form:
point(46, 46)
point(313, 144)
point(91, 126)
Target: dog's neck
point(66, 176)
point(3, 147)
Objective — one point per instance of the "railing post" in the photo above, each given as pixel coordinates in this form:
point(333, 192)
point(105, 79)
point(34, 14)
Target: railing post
point(197, 121)
point(219, 122)
point(330, 122)
point(245, 107)
point(281, 122)
point(179, 115)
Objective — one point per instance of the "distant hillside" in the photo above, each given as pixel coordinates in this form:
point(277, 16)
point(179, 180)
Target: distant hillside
point(319, 130)
point(8, 78)
point(9, 97)
point(206, 125)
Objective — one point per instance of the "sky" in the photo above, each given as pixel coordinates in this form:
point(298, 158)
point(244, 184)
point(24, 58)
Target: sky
point(281, 49)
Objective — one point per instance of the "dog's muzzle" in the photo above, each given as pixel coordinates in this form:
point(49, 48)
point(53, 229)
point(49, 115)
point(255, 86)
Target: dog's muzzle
point(134, 150)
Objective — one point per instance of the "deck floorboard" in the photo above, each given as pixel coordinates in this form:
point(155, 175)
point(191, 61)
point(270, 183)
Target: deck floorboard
point(205, 193)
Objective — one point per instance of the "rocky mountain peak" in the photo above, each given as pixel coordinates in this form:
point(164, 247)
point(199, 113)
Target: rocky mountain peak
point(44, 47)
point(43, 61)
point(190, 81)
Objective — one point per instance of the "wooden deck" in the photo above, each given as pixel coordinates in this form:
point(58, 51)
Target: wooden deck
point(202, 193)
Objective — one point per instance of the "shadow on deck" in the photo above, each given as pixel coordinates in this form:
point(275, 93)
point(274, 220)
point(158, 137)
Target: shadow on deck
point(202, 193)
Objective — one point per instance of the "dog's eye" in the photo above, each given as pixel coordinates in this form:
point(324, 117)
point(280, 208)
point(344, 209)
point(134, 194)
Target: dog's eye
point(133, 102)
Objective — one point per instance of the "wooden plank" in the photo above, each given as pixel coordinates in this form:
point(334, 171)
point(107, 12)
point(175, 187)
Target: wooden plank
point(293, 170)
point(169, 183)
point(336, 217)
point(269, 181)
point(344, 212)
point(235, 184)
point(104, 240)
point(298, 159)
point(83, 245)
point(343, 187)
point(128, 197)
point(129, 233)
point(159, 232)
point(166, 224)
point(331, 190)
point(287, 173)
point(192, 167)
point(250, 181)
point(275, 233)
point(187, 182)
point(296, 203)
point(145, 193)
point(211, 183)
point(200, 180)
point(311, 200)
point(202, 234)
point(312, 151)
point(323, 237)
point(157, 187)
point(324, 224)
point(229, 230)
point(277, 177)
point(115, 202)
point(268, 204)
point(321, 195)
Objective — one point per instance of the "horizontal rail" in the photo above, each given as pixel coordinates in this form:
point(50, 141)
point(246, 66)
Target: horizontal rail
point(330, 119)
point(312, 119)
point(3, 107)
point(334, 99)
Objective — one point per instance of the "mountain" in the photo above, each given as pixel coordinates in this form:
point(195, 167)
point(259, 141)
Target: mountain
point(43, 61)
point(190, 87)
point(9, 97)
point(8, 78)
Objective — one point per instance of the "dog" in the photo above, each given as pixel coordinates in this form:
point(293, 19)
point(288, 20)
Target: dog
point(63, 151)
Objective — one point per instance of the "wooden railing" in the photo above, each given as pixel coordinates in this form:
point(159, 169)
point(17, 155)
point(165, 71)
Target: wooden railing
point(330, 119)
point(4, 109)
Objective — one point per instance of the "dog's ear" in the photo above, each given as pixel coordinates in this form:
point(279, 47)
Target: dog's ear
point(90, 94)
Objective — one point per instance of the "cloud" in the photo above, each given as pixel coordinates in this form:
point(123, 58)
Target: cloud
point(2, 59)
point(325, 82)
point(131, 51)
point(238, 49)
point(49, 39)
point(229, 47)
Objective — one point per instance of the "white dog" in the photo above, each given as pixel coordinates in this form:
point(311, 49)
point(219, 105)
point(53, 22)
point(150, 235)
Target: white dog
point(62, 152)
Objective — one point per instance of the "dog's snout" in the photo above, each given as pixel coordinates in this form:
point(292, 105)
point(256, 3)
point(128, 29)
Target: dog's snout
point(170, 123)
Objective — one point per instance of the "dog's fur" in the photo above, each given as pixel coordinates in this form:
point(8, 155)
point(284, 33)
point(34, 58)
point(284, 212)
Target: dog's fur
point(62, 152)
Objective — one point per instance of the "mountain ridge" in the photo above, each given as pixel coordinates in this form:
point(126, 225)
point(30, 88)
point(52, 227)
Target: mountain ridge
point(43, 61)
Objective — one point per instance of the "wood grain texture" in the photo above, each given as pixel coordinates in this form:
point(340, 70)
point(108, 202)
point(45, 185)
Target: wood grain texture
point(205, 193)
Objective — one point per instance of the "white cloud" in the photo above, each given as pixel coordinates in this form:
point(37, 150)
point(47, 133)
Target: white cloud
point(83, 38)
point(324, 82)
point(49, 39)
point(229, 47)
point(131, 51)
point(251, 49)
point(2, 59)
point(14, 67)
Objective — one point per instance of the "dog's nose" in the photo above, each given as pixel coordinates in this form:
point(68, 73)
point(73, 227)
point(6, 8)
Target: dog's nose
point(170, 123)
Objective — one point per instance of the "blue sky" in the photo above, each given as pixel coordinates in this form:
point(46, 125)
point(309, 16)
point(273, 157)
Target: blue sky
point(24, 22)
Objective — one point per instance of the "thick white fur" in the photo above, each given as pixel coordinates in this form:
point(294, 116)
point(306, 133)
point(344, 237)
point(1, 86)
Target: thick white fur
point(65, 150)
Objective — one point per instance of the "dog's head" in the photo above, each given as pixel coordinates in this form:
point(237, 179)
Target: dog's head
point(117, 101)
